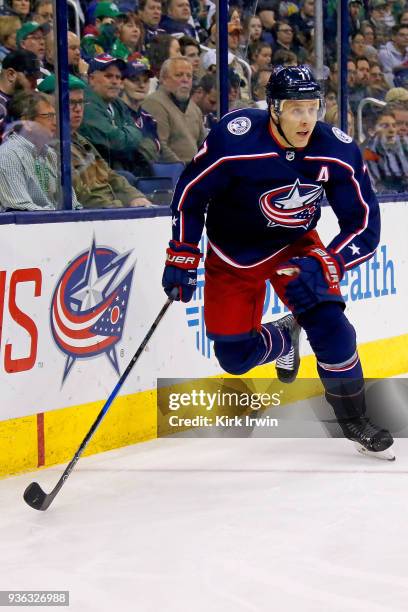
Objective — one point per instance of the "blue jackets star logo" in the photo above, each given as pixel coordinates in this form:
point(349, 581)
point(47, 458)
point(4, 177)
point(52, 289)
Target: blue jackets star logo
point(89, 305)
point(291, 206)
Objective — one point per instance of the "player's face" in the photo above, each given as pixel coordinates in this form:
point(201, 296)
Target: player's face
point(298, 119)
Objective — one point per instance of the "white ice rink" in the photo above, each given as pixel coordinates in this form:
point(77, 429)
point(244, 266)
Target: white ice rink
point(216, 525)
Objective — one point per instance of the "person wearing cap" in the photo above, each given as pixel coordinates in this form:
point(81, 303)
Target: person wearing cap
point(29, 174)
point(103, 36)
point(19, 73)
point(136, 85)
point(108, 124)
point(179, 120)
point(394, 52)
point(31, 37)
point(377, 15)
point(95, 183)
point(177, 19)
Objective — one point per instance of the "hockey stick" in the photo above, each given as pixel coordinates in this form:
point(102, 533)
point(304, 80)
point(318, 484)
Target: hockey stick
point(34, 495)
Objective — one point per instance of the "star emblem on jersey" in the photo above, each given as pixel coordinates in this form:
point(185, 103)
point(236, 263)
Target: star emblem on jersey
point(291, 206)
point(239, 126)
point(355, 250)
point(290, 155)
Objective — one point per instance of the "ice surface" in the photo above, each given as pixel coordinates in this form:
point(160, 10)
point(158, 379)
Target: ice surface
point(216, 525)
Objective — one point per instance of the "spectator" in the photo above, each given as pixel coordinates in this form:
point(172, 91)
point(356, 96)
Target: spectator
point(260, 56)
point(135, 90)
point(368, 32)
point(284, 58)
point(209, 60)
point(377, 13)
point(150, 12)
point(386, 157)
point(404, 18)
point(205, 96)
point(43, 12)
point(330, 97)
point(400, 113)
point(76, 65)
point(285, 40)
point(235, 15)
point(177, 19)
point(28, 164)
point(259, 82)
point(31, 37)
point(191, 50)
point(357, 46)
point(265, 10)
point(102, 38)
point(8, 30)
point(252, 31)
point(107, 121)
point(21, 8)
point(401, 75)
point(303, 21)
point(394, 53)
point(234, 33)
point(19, 73)
point(131, 35)
point(359, 90)
point(162, 47)
point(377, 85)
point(179, 120)
point(355, 24)
point(332, 117)
point(96, 185)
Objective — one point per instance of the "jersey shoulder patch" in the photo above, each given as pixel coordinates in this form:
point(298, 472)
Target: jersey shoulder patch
point(239, 126)
point(341, 135)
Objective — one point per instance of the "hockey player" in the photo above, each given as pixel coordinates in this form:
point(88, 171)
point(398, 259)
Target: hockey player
point(259, 179)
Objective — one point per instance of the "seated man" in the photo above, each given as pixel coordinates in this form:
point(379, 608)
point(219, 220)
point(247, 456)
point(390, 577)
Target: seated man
point(96, 185)
point(108, 124)
point(179, 120)
point(28, 164)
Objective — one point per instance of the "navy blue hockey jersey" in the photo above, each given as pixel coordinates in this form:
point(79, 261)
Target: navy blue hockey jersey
point(258, 197)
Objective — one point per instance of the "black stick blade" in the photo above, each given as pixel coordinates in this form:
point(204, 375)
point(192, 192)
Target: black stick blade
point(35, 497)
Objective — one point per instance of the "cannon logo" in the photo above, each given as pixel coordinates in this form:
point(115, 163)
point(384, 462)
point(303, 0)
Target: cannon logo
point(89, 305)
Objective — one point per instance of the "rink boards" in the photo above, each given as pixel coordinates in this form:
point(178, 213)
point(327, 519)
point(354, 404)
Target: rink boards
point(76, 299)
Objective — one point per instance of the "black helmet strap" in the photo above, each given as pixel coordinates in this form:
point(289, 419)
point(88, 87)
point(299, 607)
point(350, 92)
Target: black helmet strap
point(278, 125)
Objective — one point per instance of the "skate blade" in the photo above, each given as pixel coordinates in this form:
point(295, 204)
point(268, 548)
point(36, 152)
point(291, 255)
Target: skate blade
point(386, 454)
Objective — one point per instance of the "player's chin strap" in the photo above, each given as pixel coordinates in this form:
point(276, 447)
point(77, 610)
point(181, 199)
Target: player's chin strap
point(281, 132)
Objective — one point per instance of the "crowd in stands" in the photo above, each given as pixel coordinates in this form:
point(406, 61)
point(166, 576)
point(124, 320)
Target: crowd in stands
point(143, 92)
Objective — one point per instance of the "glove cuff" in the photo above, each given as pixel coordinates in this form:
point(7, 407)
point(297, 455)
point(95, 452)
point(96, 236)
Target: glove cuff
point(331, 263)
point(183, 255)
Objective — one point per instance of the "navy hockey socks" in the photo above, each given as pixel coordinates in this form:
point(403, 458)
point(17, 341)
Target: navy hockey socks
point(243, 355)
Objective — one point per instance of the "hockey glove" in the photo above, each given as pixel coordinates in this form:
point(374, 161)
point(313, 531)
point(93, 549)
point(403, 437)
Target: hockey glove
point(181, 269)
point(315, 277)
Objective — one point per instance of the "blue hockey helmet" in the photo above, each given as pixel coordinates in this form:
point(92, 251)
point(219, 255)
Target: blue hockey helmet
point(292, 83)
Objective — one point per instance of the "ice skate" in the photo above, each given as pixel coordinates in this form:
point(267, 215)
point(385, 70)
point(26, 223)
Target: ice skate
point(287, 366)
point(369, 439)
